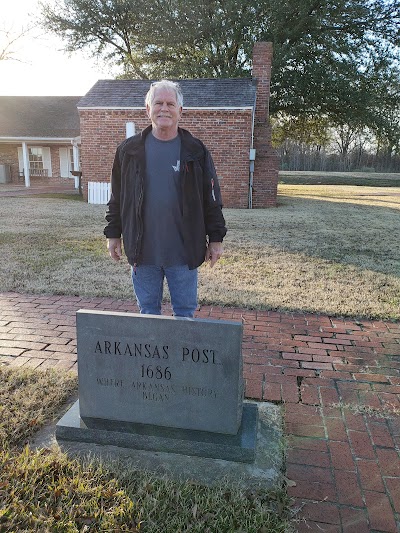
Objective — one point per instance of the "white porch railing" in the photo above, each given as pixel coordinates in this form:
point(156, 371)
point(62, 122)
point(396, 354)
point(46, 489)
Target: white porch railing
point(98, 192)
point(41, 172)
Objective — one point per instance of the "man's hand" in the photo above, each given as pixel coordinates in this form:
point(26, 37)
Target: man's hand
point(214, 252)
point(114, 248)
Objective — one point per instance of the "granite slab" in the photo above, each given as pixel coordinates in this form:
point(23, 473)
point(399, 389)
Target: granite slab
point(240, 447)
point(160, 370)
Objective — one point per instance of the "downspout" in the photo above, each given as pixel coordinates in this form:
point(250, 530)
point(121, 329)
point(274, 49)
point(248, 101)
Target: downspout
point(252, 156)
point(129, 129)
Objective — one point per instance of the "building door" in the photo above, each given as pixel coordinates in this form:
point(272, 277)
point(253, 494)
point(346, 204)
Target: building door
point(66, 162)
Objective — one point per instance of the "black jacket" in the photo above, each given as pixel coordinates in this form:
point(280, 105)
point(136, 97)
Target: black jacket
point(202, 205)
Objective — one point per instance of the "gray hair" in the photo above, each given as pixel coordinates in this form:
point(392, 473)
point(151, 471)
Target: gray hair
point(164, 84)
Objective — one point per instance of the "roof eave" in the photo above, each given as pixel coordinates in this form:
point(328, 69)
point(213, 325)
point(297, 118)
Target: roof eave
point(142, 108)
point(49, 140)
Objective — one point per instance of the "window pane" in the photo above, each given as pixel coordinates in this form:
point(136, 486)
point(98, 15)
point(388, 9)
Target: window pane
point(35, 158)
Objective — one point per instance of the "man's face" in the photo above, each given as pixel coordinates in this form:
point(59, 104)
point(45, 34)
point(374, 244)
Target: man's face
point(164, 111)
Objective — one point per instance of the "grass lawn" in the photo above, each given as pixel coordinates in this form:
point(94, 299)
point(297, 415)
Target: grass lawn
point(45, 491)
point(326, 249)
point(371, 179)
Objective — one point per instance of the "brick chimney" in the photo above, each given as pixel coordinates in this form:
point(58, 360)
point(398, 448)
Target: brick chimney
point(265, 180)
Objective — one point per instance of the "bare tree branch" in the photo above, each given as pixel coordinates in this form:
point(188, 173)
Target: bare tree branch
point(8, 38)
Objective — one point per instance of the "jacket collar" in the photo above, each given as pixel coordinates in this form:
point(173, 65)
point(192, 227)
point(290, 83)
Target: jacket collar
point(191, 148)
point(136, 143)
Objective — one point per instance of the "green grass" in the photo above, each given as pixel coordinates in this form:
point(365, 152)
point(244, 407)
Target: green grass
point(46, 491)
point(370, 179)
point(76, 197)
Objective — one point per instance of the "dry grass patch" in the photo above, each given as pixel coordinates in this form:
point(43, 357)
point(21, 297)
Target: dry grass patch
point(386, 411)
point(56, 246)
point(28, 399)
point(331, 250)
point(46, 491)
point(388, 197)
point(373, 179)
point(325, 249)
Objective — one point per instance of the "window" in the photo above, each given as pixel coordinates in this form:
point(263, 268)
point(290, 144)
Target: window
point(71, 159)
point(39, 160)
point(35, 158)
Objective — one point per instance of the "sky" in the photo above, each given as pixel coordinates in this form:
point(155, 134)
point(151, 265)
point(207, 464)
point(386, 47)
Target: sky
point(42, 68)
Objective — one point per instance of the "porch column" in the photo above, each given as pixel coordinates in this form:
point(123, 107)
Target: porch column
point(75, 155)
point(25, 158)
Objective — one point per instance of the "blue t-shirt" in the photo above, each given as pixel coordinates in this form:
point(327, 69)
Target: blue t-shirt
point(162, 204)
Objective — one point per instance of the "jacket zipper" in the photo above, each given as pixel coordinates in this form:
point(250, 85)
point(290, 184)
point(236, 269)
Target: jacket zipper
point(140, 223)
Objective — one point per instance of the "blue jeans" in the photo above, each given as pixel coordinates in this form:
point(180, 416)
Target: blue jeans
point(148, 281)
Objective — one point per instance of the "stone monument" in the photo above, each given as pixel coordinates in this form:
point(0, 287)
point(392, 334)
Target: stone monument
point(161, 383)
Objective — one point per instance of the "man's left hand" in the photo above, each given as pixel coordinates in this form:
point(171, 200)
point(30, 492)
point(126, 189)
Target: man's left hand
point(214, 252)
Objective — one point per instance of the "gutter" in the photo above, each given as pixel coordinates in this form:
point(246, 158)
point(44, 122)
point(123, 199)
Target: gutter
point(48, 140)
point(142, 108)
point(252, 156)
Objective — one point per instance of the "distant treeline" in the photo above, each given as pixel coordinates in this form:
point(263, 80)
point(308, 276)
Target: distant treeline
point(298, 156)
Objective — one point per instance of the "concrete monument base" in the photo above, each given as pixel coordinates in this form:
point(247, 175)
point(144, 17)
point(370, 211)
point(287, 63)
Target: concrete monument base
point(240, 447)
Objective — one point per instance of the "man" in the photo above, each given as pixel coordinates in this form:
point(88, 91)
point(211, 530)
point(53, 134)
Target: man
point(166, 203)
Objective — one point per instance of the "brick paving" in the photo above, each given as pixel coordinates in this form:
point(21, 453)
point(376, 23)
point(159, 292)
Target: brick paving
point(338, 379)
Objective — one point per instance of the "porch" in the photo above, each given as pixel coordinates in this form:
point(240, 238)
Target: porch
point(39, 186)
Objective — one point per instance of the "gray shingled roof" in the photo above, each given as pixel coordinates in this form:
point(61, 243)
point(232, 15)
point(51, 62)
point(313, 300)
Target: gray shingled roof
point(39, 116)
point(234, 92)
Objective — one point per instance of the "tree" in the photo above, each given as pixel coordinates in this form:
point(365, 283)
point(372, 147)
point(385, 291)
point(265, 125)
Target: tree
point(107, 29)
point(301, 140)
point(8, 40)
point(309, 130)
point(320, 46)
point(386, 111)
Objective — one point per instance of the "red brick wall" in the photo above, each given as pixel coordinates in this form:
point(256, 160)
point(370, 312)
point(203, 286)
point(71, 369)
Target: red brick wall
point(227, 134)
point(266, 163)
point(55, 161)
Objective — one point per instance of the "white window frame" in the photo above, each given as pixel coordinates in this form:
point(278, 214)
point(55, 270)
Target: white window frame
point(45, 163)
point(36, 161)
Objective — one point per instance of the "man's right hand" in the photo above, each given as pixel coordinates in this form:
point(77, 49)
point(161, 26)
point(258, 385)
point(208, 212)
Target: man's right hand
point(114, 248)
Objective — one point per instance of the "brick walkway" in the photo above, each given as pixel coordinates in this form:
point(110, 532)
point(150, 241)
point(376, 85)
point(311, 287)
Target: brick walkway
point(338, 379)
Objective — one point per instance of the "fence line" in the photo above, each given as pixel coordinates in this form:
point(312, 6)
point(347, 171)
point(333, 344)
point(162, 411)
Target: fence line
point(98, 192)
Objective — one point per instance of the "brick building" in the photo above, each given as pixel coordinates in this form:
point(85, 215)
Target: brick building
point(39, 138)
point(44, 138)
point(229, 115)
